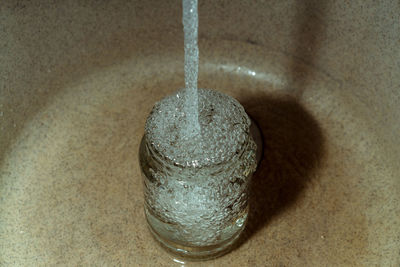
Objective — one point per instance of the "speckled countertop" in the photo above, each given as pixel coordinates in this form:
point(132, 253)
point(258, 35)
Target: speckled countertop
point(320, 78)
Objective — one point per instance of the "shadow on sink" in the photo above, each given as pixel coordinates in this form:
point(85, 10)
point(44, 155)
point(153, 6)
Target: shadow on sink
point(293, 142)
point(293, 147)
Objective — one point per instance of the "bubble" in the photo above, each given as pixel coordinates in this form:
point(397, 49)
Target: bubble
point(223, 129)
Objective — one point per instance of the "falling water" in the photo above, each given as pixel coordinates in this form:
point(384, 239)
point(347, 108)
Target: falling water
point(190, 27)
point(186, 201)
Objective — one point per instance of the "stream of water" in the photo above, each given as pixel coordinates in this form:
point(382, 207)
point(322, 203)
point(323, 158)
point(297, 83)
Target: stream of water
point(190, 27)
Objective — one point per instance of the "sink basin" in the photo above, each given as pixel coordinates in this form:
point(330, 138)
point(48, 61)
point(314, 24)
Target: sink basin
point(78, 82)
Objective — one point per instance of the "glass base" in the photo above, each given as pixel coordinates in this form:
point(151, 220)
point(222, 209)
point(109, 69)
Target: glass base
point(198, 252)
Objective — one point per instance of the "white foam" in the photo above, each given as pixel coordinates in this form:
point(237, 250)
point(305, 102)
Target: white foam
point(224, 129)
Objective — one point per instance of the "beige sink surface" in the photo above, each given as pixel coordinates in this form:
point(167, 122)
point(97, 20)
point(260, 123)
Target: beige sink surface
point(321, 80)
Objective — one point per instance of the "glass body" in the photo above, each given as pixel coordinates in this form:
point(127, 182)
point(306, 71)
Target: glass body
point(197, 211)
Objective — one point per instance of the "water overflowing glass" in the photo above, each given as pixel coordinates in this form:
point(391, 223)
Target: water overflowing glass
point(197, 157)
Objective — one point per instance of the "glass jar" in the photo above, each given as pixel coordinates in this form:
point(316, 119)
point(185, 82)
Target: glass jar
point(197, 206)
